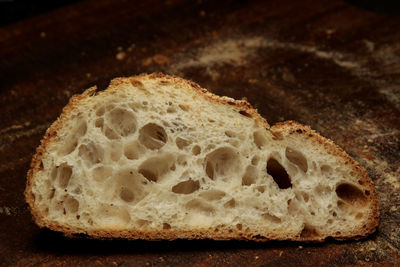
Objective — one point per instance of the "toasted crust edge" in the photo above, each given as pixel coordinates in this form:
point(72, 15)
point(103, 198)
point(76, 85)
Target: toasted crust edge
point(289, 127)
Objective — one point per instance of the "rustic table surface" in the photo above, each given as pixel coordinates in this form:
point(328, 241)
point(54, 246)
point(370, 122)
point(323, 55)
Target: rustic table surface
point(328, 64)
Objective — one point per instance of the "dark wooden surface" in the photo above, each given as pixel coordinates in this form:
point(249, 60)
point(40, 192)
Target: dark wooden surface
point(327, 64)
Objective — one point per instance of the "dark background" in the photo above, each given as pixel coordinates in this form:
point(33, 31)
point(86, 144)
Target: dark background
point(333, 65)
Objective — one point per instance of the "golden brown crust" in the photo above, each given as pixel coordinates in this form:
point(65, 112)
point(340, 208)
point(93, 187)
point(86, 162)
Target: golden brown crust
point(246, 109)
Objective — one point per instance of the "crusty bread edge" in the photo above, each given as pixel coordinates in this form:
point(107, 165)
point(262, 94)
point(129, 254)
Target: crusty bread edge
point(295, 128)
point(289, 127)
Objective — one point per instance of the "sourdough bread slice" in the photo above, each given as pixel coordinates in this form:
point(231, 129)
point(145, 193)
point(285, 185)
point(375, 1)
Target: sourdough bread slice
point(158, 157)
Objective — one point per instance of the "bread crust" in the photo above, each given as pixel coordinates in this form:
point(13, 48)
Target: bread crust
point(279, 129)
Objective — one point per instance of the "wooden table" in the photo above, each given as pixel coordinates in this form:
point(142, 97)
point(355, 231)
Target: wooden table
point(327, 64)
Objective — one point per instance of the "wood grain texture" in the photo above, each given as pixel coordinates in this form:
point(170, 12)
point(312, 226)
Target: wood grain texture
point(327, 64)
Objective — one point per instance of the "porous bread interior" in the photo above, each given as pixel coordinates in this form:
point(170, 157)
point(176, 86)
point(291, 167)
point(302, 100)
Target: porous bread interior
point(155, 156)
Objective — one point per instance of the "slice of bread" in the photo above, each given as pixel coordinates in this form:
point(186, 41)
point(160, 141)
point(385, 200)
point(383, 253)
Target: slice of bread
point(158, 157)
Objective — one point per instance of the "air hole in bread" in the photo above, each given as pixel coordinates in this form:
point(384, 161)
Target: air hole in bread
point(101, 173)
point(77, 190)
point(63, 175)
point(212, 194)
point(51, 193)
point(91, 153)
point(196, 150)
point(351, 194)
point(271, 218)
point(110, 133)
point(259, 139)
point(278, 173)
point(249, 176)
point(182, 160)
point(297, 158)
point(230, 203)
point(152, 136)
point(239, 226)
point(276, 135)
point(126, 194)
point(154, 168)
point(149, 175)
point(143, 223)
point(325, 169)
point(261, 188)
point(245, 113)
point(173, 167)
point(137, 84)
point(71, 141)
point(184, 107)
point(305, 197)
point(99, 123)
point(222, 162)
point(182, 143)
point(133, 150)
point(100, 111)
point(122, 121)
point(359, 216)
point(230, 134)
point(255, 160)
point(127, 185)
point(186, 187)
point(71, 205)
point(166, 226)
point(171, 110)
point(308, 232)
point(200, 206)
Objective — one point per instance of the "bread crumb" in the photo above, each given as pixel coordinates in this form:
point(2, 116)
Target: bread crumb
point(161, 60)
point(330, 31)
point(120, 55)
point(252, 81)
point(147, 61)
